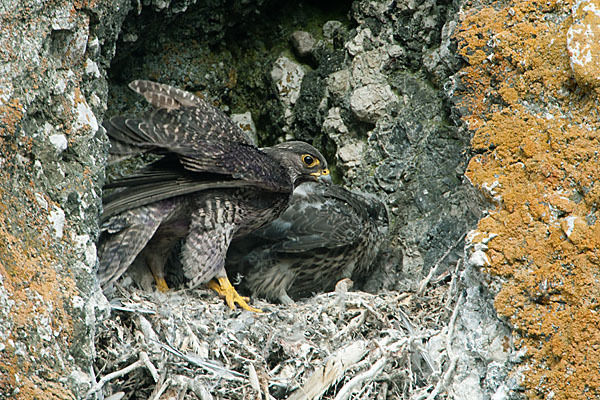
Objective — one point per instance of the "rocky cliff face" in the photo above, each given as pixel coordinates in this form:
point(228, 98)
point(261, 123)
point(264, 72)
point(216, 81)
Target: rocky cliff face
point(470, 119)
point(52, 95)
point(529, 93)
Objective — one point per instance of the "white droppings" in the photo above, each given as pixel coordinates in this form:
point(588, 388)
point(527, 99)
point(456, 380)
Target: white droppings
point(57, 220)
point(570, 225)
point(85, 117)
point(77, 302)
point(59, 141)
point(41, 201)
point(91, 68)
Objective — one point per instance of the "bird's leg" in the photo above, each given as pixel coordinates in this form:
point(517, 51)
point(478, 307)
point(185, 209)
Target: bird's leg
point(161, 284)
point(225, 289)
point(158, 274)
point(156, 255)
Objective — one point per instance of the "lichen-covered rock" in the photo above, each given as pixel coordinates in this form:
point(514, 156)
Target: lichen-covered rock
point(52, 162)
point(536, 153)
point(371, 102)
point(287, 77)
point(395, 96)
point(582, 42)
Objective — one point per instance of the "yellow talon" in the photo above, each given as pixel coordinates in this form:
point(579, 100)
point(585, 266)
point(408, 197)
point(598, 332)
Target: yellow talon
point(161, 284)
point(224, 288)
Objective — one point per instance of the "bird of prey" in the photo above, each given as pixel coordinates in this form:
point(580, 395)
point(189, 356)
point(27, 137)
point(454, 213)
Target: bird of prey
point(211, 185)
point(327, 233)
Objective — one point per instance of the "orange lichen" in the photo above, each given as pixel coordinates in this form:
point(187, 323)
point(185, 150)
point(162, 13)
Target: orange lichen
point(535, 133)
point(29, 279)
point(10, 116)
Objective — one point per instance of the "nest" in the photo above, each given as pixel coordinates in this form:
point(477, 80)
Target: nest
point(188, 345)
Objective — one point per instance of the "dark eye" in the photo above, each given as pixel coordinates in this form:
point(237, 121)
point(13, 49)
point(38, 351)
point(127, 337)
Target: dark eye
point(309, 160)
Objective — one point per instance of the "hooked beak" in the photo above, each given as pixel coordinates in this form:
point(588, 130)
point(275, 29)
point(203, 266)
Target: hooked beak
point(323, 176)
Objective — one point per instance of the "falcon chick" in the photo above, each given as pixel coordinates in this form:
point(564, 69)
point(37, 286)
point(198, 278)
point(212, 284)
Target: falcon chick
point(327, 233)
point(211, 186)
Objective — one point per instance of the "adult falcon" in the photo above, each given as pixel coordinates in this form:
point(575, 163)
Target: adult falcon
point(327, 233)
point(211, 185)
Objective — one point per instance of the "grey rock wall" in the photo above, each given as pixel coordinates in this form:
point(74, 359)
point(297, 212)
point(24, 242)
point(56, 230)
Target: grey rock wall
point(52, 96)
point(368, 83)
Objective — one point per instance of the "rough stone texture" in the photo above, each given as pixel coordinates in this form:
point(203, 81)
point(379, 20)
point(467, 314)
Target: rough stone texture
point(582, 42)
point(535, 124)
point(51, 170)
point(393, 95)
point(303, 43)
point(371, 97)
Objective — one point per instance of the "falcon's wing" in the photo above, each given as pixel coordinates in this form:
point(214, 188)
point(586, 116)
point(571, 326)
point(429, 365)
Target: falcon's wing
point(200, 135)
point(161, 180)
point(318, 217)
point(123, 238)
point(204, 150)
point(179, 118)
point(179, 108)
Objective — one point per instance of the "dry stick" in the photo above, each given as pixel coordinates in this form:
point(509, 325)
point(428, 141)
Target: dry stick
point(107, 378)
point(132, 310)
point(253, 377)
point(382, 395)
point(325, 376)
point(360, 378)
point(161, 390)
point(443, 382)
point(453, 282)
point(433, 270)
point(149, 365)
point(414, 338)
point(208, 365)
point(352, 325)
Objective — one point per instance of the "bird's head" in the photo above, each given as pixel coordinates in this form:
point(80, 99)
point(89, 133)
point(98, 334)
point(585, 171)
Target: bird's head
point(302, 161)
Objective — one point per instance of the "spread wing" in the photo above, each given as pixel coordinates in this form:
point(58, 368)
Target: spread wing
point(177, 117)
point(203, 150)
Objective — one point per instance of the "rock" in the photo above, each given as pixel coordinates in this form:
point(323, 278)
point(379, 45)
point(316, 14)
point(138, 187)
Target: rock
point(287, 76)
point(331, 29)
point(338, 83)
point(52, 155)
point(370, 102)
point(245, 122)
point(583, 42)
point(303, 43)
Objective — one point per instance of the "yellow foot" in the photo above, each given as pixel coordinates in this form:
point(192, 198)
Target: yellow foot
point(161, 284)
point(224, 288)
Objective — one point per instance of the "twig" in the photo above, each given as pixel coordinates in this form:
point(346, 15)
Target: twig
point(443, 382)
point(149, 365)
point(199, 390)
point(253, 377)
point(360, 378)
point(325, 376)
point(433, 270)
point(133, 310)
point(107, 378)
point(352, 325)
point(382, 395)
point(453, 282)
point(206, 364)
point(156, 395)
